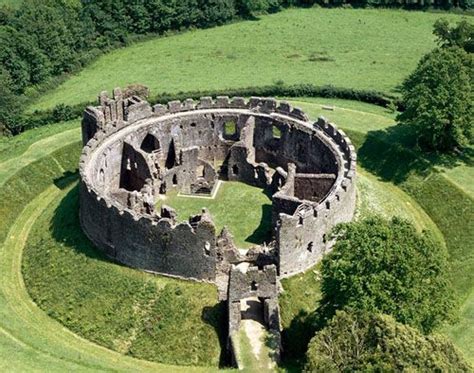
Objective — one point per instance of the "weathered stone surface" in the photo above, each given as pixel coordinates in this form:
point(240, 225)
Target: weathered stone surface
point(132, 154)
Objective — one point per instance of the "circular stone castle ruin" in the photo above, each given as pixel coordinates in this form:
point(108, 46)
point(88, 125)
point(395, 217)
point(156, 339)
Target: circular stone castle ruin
point(133, 153)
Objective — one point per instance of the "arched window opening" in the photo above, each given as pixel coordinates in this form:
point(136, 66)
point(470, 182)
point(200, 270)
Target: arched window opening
point(276, 132)
point(310, 247)
point(235, 169)
point(175, 179)
point(230, 128)
point(150, 144)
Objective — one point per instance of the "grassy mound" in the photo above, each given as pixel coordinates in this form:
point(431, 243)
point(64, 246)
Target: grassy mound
point(426, 180)
point(31, 340)
point(342, 47)
point(145, 316)
point(233, 201)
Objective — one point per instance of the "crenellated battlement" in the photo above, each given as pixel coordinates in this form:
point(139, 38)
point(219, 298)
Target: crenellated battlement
point(134, 152)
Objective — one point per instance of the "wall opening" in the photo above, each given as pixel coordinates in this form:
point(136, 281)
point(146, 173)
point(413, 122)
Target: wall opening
point(200, 172)
point(276, 133)
point(310, 247)
point(150, 144)
point(171, 157)
point(163, 188)
point(235, 169)
point(254, 286)
point(301, 153)
point(230, 128)
point(207, 248)
point(175, 179)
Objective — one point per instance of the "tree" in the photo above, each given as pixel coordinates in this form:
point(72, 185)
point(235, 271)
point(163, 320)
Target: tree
point(388, 267)
point(363, 342)
point(247, 8)
point(439, 101)
point(461, 35)
point(10, 104)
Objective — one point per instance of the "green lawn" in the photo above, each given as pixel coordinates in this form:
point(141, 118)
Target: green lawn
point(137, 314)
point(357, 48)
point(244, 209)
point(29, 339)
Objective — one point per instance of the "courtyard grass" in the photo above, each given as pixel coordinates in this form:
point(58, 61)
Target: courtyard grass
point(245, 210)
point(353, 48)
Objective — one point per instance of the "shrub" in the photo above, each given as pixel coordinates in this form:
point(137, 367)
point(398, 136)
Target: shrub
point(63, 113)
point(139, 90)
point(377, 343)
point(439, 99)
point(388, 267)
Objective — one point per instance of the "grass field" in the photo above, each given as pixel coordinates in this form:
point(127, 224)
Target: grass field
point(343, 47)
point(32, 339)
point(365, 49)
point(233, 201)
point(137, 314)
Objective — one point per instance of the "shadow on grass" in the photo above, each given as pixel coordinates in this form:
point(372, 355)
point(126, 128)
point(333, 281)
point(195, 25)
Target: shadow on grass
point(263, 233)
point(295, 339)
point(215, 316)
point(67, 179)
point(65, 226)
point(393, 154)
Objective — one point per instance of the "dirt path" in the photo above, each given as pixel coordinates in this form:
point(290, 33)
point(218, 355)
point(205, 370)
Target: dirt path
point(255, 352)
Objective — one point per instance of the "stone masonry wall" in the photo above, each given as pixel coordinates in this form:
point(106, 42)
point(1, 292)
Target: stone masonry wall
point(266, 134)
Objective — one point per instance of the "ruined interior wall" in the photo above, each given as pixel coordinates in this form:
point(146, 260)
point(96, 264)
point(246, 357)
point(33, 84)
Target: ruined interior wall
point(134, 170)
point(303, 237)
point(202, 124)
point(302, 147)
point(313, 187)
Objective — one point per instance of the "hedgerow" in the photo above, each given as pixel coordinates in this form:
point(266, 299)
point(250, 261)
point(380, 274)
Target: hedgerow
point(63, 112)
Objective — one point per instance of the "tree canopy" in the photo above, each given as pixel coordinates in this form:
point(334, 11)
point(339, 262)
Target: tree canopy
point(461, 35)
point(363, 342)
point(439, 99)
point(387, 267)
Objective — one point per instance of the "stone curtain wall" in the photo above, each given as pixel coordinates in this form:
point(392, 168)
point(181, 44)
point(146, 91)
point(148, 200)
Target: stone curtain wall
point(303, 230)
point(191, 136)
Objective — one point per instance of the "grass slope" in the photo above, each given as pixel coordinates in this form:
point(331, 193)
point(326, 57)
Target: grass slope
point(233, 201)
point(343, 47)
point(138, 314)
point(31, 340)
